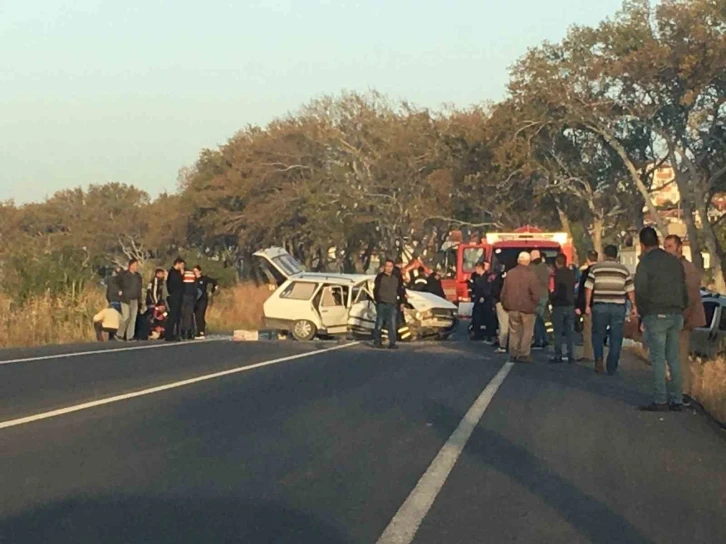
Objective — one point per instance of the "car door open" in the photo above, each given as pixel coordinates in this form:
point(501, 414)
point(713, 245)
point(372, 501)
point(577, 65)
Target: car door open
point(333, 308)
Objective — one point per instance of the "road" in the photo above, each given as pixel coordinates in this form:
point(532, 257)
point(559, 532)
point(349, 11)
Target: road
point(333, 443)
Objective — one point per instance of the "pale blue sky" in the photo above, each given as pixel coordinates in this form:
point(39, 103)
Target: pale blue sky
point(98, 90)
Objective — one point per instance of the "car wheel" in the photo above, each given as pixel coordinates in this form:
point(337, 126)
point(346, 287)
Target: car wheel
point(304, 330)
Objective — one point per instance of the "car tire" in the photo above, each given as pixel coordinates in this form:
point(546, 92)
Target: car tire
point(304, 330)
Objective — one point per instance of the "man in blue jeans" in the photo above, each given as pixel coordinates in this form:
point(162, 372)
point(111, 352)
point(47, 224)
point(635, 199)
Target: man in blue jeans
point(607, 288)
point(661, 294)
point(389, 294)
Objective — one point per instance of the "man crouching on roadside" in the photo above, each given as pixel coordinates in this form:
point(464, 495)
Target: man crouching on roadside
point(107, 321)
point(520, 297)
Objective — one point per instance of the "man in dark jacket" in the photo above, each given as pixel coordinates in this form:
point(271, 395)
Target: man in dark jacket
point(156, 290)
point(131, 283)
point(433, 285)
point(389, 294)
point(479, 290)
point(175, 290)
point(113, 286)
point(588, 355)
point(204, 284)
point(563, 309)
point(420, 282)
point(661, 298)
point(502, 314)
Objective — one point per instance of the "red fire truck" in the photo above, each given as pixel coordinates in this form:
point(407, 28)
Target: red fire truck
point(505, 247)
point(457, 258)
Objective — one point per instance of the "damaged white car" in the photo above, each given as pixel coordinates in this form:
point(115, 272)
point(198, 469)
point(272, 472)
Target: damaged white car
point(309, 305)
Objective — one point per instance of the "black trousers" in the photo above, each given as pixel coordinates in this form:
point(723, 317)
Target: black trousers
point(489, 316)
point(200, 313)
point(172, 327)
point(187, 316)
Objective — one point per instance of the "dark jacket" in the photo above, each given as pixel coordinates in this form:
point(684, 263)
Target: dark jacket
point(481, 288)
point(433, 286)
point(581, 300)
point(521, 291)
point(660, 284)
point(497, 286)
point(204, 283)
point(542, 270)
point(131, 286)
point(155, 292)
point(174, 283)
point(389, 289)
point(564, 292)
point(113, 287)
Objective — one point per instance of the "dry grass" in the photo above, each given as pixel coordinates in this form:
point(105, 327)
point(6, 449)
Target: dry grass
point(709, 385)
point(49, 320)
point(239, 307)
point(708, 380)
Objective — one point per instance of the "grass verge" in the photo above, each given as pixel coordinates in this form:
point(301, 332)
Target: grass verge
point(68, 319)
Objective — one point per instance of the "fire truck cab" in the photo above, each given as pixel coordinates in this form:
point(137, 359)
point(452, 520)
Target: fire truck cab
point(505, 247)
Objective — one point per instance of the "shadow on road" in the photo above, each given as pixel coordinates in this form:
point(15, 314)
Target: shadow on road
point(126, 519)
point(589, 516)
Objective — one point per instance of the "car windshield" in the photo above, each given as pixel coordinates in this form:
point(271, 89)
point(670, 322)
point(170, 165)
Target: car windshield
point(508, 255)
point(471, 256)
point(288, 264)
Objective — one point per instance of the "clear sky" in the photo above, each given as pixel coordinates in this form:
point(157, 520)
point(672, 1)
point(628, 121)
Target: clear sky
point(106, 90)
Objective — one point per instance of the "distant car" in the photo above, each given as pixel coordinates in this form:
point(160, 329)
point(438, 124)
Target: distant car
point(318, 304)
point(710, 340)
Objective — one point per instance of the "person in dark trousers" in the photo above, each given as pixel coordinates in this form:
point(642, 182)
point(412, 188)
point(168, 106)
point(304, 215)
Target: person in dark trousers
point(542, 271)
point(588, 354)
point(156, 290)
point(113, 287)
point(189, 300)
point(661, 298)
point(478, 291)
point(607, 288)
point(389, 294)
point(563, 309)
point(403, 330)
point(204, 284)
point(433, 285)
point(175, 298)
point(502, 314)
point(131, 283)
point(490, 302)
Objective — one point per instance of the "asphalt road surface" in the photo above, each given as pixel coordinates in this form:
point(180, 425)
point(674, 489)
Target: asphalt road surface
point(278, 442)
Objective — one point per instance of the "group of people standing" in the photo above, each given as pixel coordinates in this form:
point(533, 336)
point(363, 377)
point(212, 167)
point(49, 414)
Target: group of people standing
point(176, 301)
point(663, 296)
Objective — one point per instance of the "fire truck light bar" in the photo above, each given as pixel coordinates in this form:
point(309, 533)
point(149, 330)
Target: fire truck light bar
point(494, 237)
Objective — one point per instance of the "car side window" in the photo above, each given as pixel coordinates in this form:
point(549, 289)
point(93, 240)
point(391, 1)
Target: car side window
point(334, 295)
point(722, 321)
point(299, 290)
point(361, 295)
point(709, 307)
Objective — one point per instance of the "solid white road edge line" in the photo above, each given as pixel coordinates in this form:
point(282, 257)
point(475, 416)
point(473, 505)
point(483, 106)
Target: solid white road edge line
point(101, 351)
point(408, 519)
point(159, 388)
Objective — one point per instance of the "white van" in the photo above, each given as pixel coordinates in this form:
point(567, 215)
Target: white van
point(311, 304)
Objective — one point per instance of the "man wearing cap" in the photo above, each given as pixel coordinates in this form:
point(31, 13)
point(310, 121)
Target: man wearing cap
point(521, 294)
